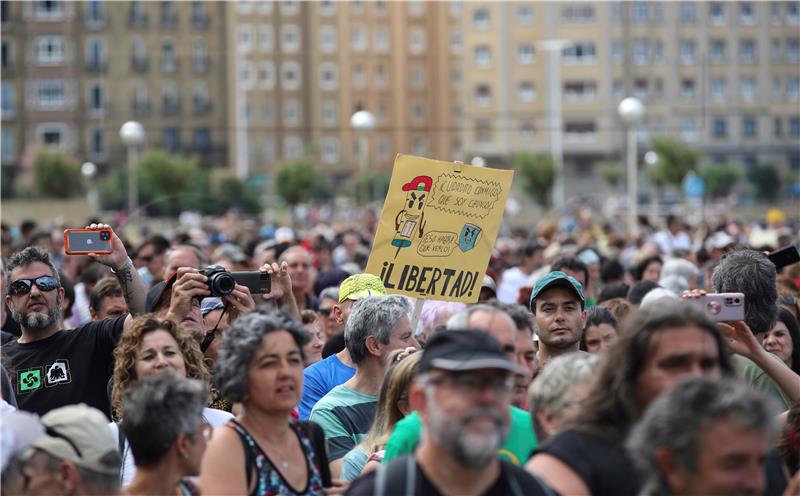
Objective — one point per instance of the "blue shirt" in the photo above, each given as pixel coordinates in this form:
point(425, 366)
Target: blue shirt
point(319, 379)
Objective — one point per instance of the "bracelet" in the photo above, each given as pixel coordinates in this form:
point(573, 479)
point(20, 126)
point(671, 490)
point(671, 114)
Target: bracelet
point(126, 265)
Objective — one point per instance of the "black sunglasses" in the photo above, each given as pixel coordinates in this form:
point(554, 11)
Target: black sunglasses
point(325, 312)
point(23, 286)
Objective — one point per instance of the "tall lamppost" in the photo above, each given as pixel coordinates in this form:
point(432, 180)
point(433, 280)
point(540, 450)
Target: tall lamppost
point(651, 160)
point(362, 122)
point(88, 171)
point(132, 134)
point(631, 111)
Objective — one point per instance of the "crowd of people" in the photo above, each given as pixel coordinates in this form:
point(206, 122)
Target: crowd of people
point(588, 365)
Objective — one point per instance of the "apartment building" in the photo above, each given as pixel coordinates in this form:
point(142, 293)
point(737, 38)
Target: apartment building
point(74, 72)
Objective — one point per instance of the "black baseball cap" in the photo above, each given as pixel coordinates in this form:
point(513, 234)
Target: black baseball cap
point(464, 350)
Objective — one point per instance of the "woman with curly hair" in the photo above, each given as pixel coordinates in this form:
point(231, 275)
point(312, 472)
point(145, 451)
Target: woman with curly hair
point(150, 346)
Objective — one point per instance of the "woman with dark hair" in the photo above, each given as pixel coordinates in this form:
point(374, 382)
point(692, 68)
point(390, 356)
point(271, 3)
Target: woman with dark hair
point(263, 450)
point(588, 457)
point(783, 340)
point(601, 330)
point(648, 269)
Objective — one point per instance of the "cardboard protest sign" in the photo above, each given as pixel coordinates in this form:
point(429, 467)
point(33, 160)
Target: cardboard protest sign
point(438, 228)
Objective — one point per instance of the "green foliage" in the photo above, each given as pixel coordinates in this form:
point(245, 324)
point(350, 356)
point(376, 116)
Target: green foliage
point(296, 181)
point(675, 160)
point(766, 180)
point(165, 182)
point(56, 175)
point(719, 178)
point(235, 193)
point(538, 174)
point(371, 186)
point(613, 174)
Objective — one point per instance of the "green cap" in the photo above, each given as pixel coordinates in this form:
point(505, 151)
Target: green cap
point(360, 286)
point(556, 278)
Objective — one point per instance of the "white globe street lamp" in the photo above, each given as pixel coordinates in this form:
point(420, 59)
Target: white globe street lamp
point(478, 161)
point(132, 135)
point(631, 110)
point(88, 171)
point(362, 122)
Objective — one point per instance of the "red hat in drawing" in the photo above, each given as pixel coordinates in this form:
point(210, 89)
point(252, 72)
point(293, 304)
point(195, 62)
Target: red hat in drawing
point(419, 183)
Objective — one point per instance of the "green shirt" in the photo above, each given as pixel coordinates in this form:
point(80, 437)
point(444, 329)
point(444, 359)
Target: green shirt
point(751, 374)
point(517, 448)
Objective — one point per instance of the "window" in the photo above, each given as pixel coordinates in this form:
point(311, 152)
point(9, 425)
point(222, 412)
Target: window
point(747, 89)
point(200, 18)
point(483, 95)
point(291, 112)
point(416, 40)
point(168, 17)
point(200, 101)
point(524, 14)
point(718, 89)
point(639, 12)
point(330, 114)
point(7, 54)
point(330, 150)
point(717, 13)
point(327, 8)
point(328, 39)
point(266, 38)
point(749, 127)
point(483, 56)
point(48, 9)
point(246, 74)
point(720, 128)
point(97, 146)
point(747, 14)
point(794, 127)
point(658, 51)
point(51, 93)
point(617, 51)
point(455, 42)
point(139, 50)
point(777, 89)
point(687, 89)
point(793, 49)
point(718, 51)
point(687, 51)
point(52, 134)
point(94, 12)
point(49, 49)
point(579, 53)
point(640, 89)
point(292, 147)
point(244, 35)
point(172, 139)
point(95, 53)
point(777, 127)
point(140, 99)
point(380, 76)
point(328, 76)
point(359, 76)
point(793, 88)
point(95, 98)
point(688, 12)
point(8, 146)
point(483, 131)
point(527, 130)
point(792, 12)
point(747, 51)
point(199, 55)
point(419, 147)
point(290, 75)
point(290, 7)
point(170, 99)
point(418, 113)
point(481, 18)
point(8, 98)
point(775, 49)
point(358, 38)
point(688, 129)
point(658, 13)
point(267, 112)
point(266, 75)
point(5, 12)
point(417, 75)
point(579, 91)
point(168, 60)
point(641, 52)
point(416, 7)
point(577, 13)
point(526, 92)
point(201, 140)
point(381, 39)
point(580, 130)
point(617, 90)
point(525, 53)
point(290, 38)
point(268, 150)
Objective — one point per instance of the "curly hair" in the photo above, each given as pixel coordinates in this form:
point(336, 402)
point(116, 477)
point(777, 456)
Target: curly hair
point(128, 346)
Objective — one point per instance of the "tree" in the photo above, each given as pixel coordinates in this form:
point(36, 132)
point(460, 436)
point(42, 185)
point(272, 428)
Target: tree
point(56, 175)
point(371, 186)
point(235, 193)
point(675, 160)
point(538, 174)
point(766, 179)
point(296, 181)
point(719, 178)
point(613, 174)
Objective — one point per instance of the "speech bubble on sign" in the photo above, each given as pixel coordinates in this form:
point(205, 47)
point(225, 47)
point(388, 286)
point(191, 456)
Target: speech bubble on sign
point(437, 244)
point(468, 196)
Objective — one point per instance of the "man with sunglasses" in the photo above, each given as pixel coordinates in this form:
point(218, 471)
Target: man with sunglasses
point(53, 367)
point(462, 393)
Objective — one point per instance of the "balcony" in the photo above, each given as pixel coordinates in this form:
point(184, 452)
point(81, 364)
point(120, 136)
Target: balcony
point(140, 109)
point(201, 107)
point(139, 64)
point(96, 66)
point(200, 64)
point(169, 21)
point(170, 65)
point(138, 20)
point(171, 107)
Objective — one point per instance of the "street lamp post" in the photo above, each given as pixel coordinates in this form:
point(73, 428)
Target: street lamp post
point(88, 171)
point(132, 134)
point(631, 110)
point(362, 122)
point(651, 159)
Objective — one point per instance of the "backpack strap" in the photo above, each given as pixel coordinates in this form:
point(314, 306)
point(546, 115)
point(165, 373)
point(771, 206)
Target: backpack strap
point(121, 449)
point(400, 474)
point(317, 437)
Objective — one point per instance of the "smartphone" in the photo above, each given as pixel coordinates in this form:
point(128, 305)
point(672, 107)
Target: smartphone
point(782, 257)
point(722, 307)
point(84, 241)
point(256, 282)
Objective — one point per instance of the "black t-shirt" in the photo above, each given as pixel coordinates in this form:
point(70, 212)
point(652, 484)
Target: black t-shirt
point(67, 368)
point(604, 466)
point(513, 480)
point(10, 325)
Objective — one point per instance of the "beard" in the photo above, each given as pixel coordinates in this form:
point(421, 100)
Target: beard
point(35, 321)
point(472, 449)
point(560, 342)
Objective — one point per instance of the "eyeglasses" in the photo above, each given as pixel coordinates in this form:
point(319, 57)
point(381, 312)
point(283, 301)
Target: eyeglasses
point(23, 286)
point(476, 383)
point(325, 312)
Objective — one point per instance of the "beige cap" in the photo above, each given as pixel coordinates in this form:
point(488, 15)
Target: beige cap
point(80, 434)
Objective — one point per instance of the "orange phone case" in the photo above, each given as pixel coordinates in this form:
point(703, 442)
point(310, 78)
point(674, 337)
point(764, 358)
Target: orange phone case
point(68, 251)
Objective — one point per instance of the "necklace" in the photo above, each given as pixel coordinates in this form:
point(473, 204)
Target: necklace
point(273, 447)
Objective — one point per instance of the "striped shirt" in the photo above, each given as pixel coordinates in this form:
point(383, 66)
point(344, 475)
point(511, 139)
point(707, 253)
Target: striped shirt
point(345, 416)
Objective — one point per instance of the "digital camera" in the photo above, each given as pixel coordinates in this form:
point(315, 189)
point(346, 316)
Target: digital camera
point(220, 281)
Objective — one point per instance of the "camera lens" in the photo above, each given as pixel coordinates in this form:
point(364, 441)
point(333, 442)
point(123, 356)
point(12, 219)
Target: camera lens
point(221, 284)
point(713, 308)
point(105, 236)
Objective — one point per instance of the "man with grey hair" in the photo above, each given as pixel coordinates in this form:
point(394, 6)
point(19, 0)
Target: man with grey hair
point(377, 325)
point(704, 436)
point(182, 256)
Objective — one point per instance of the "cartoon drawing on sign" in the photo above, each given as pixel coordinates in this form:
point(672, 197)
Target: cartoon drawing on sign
point(468, 237)
point(411, 220)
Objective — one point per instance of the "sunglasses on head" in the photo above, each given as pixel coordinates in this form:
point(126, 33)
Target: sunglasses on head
point(23, 286)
